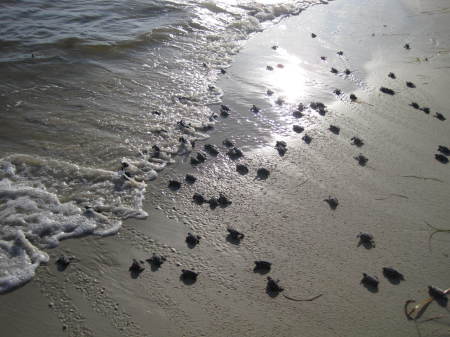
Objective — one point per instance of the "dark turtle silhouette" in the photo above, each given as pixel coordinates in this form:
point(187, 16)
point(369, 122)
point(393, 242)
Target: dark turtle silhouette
point(198, 198)
point(223, 71)
point(223, 200)
point(334, 70)
point(156, 260)
point(441, 158)
point(262, 173)
point(362, 160)
point(313, 35)
point(347, 72)
point(357, 141)
point(370, 281)
point(262, 267)
point(188, 276)
point(366, 240)
point(213, 202)
point(174, 185)
point(192, 239)
point(319, 107)
point(438, 295)
point(387, 91)
point(198, 158)
point(269, 92)
point(228, 143)
point(279, 101)
point(136, 268)
point(353, 97)
point(307, 139)
point(63, 262)
point(297, 114)
point(407, 46)
point(190, 179)
point(444, 150)
point(439, 116)
point(415, 105)
point(270, 68)
point(234, 235)
point(211, 149)
point(392, 75)
point(340, 53)
point(425, 109)
point(337, 92)
point(273, 286)
point(332, 202)
point(410, 84)
point(241, 169)
point(392, 274)
point(335, 129)
point(298, 128)
point(254, 109)
point(323, 58)
point(301, 107)
point(224, 110)
point(281, 147)
point(274, 47)
point(234, 153)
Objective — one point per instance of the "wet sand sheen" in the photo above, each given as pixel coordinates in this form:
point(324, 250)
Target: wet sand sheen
point(313, 249)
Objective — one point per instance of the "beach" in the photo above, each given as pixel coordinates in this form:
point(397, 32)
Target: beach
point(314, 249)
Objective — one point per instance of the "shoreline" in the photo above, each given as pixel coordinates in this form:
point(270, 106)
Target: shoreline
point(313, 248)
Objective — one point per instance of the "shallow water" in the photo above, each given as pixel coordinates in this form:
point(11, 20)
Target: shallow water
point(88, 86)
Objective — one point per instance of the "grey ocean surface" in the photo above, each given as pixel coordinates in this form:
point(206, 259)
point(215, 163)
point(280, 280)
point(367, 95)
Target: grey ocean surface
point(87, 86)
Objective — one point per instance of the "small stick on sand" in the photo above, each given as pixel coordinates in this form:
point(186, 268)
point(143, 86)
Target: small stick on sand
point(302, 300)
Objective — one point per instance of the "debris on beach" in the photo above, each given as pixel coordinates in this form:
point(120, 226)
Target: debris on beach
point(262, 267)
point(366, 240)
point(387, 91)
point(357, 141)
point(335, 129)
point(441, 158)
point(192, 240)
point(392, 274)
point(298, 128)
point(410, 84)
point(436, 294)
point(190, 179)
point(174, 185)
point(361, 159)
point(332, 202)
point(392, 75)
point(281, 147)
point(439, 116)
point(262, 173)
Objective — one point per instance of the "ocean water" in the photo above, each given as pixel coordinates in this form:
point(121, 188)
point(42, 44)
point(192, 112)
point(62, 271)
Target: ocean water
point(95, 99)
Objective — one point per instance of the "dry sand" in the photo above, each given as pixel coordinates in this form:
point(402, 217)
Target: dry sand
point(313, 249)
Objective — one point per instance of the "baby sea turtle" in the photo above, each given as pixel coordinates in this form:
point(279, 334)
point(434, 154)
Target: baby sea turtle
point(332, 202)
point(228, 143)
point(262, 173)
point(313, 35)
point(362, 160)
point(415, 105)
point(156, 260)
point(392, 274)
point(353, 97)
point(189, 275)
point(441, 158)
point(297, 114)
point(425, 109)
point(370, 281)
point(340, 53)
point(198, 158)
point(198, 198)
point(323, 58)
point(444, 150)
point(190, 179)
point(387, 91)
point(254, 109)
point(262, 267)
point(223, 200)
point(213, 202)
point(335, 129)
point(223, 71)
point(281, 147)
point(392, 75)
point(224, 111)
point(270, 68)
point(192, 239)
point(174, 185)
point(211, 149)
point(301, 107)
point(269, 92)
point(439, 116)
point(437, 294)
point(298, 128)
point(334, 70)
point(279, 101)
point(235, 234)
point(136, 267)
point(407, 46)
point(63, 262)
point(337, 92)
point(347, 72)
point(274, 47)
point(234, 153)
point(307, 139)
point(273, 286)
point(410, 84)
point(366, 240)
point(357, 141)
point(241, 169)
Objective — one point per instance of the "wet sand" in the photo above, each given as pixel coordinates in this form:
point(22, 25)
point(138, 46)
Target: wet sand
point(313, 248)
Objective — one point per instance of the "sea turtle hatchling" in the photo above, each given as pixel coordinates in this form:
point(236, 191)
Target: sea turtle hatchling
point(370, 281)
point(189, 275)
point(262, 266)
point(332, 202)
point(366, 239)
point(392, 274)
point(192, 239)
point(273, 286)
point(235, 234)
point(156, 260)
